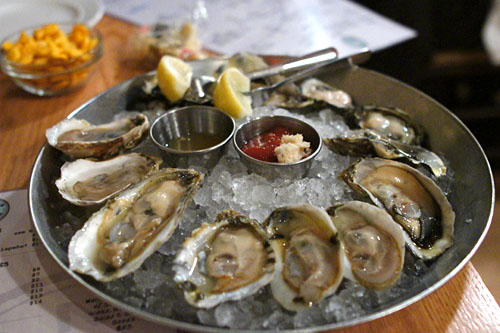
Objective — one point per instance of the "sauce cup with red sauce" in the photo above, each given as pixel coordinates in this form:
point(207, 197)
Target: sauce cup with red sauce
point(256, 140)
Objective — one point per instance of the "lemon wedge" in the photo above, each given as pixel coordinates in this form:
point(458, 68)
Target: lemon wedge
point(228, 96)
point(174, 77)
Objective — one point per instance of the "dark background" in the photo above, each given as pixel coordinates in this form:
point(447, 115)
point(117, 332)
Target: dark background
point(447, 61)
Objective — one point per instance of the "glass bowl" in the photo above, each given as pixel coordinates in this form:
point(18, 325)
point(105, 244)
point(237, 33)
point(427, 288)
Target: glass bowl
point(58, 77)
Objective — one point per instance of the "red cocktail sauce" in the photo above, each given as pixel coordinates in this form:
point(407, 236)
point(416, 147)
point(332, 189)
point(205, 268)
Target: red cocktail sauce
point(262, 146)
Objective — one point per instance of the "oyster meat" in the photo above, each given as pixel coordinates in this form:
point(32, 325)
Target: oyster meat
point(366, 142)
point(246, 62)
point(393, 123)
point(414, 201)
point(86, 182)
point(290, 97)
point(311, 94)
point(78, 138)
point(373, 243)
point(117, 239)
point(226, 260)
point(309, 265)
point(321, 91)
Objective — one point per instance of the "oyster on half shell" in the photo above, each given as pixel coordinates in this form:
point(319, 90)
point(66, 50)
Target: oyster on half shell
point(366, 142)
point(222, 261)
point(311, 94)
point(414, 201)
point(391, 122)
point(321, 91)
point(309, 265)
point(246, 62)
point(86, 182)
point(78, 138)
point(373, 243)
point(117, 239)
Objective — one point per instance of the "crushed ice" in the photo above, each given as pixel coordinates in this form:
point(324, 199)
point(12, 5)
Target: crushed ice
point(229, 185)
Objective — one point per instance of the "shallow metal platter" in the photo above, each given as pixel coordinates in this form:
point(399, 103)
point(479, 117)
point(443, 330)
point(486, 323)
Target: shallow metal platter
point(471, 193)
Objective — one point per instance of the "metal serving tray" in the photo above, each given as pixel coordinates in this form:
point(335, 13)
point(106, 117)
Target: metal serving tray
point(471, 193)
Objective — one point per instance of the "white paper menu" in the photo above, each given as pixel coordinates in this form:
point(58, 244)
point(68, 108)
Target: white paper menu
point(277, 27)
point(37, 295)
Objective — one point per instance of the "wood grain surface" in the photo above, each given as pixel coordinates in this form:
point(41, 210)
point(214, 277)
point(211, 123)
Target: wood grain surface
point(463, 304)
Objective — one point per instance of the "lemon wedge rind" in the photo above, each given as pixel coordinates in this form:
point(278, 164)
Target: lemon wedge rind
point(228, 95)
point(174, 77)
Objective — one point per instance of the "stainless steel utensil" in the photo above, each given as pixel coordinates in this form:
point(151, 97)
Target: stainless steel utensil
point(318, 58)
point(198, 93)
point(259, 94)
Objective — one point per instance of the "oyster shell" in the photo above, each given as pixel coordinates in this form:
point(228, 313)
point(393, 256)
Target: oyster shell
point(373, 243)
point(88, 182)
point(367, 142)
point(321, 91)
point(310, 95)
point(78, 138)
point(117, 239)
point(246, 62)
point(226, 260)
point(411, 198)
point(309, 265)
point(290, 97)
point(392, 123)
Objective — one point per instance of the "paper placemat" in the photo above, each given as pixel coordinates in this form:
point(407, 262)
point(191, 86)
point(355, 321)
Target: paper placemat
point(37, 295)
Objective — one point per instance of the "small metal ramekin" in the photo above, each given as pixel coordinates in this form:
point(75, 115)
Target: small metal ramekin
point(189, 120)
point(261, 125)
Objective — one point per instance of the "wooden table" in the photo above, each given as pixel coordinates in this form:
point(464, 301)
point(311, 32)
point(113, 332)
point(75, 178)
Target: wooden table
point(463, 304)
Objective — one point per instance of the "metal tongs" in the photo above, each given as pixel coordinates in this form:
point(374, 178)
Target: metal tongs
point(319, 58)
point(323, 57)
point(304, 66)
point(337, 63)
